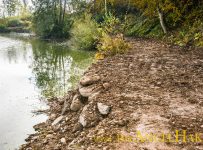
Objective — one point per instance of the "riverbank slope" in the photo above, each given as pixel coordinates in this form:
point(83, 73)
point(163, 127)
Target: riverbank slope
point(154, 88)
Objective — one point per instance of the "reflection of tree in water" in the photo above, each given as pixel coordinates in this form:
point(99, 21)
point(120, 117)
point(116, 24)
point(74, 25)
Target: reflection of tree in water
point(12, 54)
point(17, 53)
point(12, 50)
point(54, 67)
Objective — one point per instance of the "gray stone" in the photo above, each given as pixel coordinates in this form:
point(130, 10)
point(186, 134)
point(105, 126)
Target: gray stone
point(106, 86)
point(120, 122)
point(88, 80)
point(93, 96)
point(89, 90)
point(66, 105)
point(77, 127)
point(88, 117)
point(72, 144)
point(82, 120)
point(100, 132)
point(57, 120)
point(103, 109)
point(63, 140)
point(136, 116)
point(52, 116)
point(49, 136)
point(76, 103)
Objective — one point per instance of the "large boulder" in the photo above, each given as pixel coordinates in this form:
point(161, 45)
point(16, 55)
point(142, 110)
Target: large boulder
point(89, 90)
point(76, 103)
point(88, 80)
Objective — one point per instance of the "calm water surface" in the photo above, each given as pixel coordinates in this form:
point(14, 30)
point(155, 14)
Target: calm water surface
point(30, 71)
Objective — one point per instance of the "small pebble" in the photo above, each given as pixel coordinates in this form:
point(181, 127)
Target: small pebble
point(63, 140)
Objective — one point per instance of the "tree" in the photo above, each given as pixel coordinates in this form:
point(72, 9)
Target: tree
point(161, 18)
point(10, 6)
point(25, 3)
point(156, 8)
point(50, 18)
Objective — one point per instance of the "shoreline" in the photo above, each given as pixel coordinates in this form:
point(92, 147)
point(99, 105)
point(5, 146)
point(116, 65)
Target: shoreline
point(153, 85)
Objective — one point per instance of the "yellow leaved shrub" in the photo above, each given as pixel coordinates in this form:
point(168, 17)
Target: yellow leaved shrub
point(111, 45)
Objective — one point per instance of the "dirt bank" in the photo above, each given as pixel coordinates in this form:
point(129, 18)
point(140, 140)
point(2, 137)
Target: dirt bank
point(148, 99)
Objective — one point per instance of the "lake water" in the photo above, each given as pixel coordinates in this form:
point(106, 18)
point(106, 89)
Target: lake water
point(30, 71)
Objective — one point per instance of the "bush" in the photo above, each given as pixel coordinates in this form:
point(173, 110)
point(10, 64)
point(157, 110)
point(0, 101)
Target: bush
point(109, 46)
point(46, 25)
point(111, 24)
point(3, 28)
point(85, 33)
point(189, 35)
point(42, 23)
point(26, 23)
point(14, 23)
point(60, 30)
point(139, 25)
point(3, 21)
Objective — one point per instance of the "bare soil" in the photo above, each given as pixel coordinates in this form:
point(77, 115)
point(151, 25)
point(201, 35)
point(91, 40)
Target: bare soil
point(154, 89)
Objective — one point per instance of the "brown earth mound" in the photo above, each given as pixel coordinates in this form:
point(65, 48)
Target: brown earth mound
point(148, 99)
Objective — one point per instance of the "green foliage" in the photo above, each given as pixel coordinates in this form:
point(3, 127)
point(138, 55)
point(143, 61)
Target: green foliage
point(141, 18)
point(82, 6)
point(60, 30)
point(43, 23)
point(3, 28)
point(45, 26)
point(50, 19)
point(25, 16)
point(11, 6)
point(189, 35)
point(3, 21)
point(111, 24)
point(139, 25)
point(111, 45)
point(14, 22)
point(85, 33)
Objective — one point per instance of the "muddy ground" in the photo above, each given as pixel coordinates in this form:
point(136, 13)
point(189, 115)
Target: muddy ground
point(155, 93)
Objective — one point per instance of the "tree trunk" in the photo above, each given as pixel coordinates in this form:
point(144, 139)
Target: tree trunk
point(94, 6)
point(60, 11)
point(25, 3)
point(105, 7)
point(161, 18)
point(64, 10)
point(55, 12)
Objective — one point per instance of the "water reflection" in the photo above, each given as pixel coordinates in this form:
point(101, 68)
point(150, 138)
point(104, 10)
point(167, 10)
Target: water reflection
point(29, 70)
point(56, 68)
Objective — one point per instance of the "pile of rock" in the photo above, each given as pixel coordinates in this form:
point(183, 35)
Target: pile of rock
point(83, 101)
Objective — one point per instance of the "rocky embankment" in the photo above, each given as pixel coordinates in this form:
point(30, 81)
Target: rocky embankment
point(148, 99)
